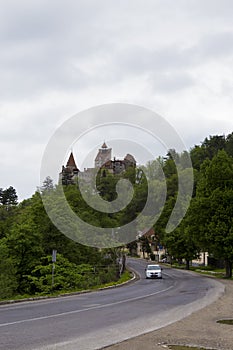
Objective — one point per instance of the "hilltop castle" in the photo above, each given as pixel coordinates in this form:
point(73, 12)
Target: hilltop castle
point(103, 160)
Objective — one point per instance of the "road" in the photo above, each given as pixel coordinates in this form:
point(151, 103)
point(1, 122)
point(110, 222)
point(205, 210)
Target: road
point(93, 320)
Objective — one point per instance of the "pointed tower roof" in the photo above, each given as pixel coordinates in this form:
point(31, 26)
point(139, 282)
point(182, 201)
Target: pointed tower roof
point(71, 162)
point(104, 145)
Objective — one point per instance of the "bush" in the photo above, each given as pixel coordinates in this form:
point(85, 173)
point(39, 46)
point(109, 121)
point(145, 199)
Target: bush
point(67, 275)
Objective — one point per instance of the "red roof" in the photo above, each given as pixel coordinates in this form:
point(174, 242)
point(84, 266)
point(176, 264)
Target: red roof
point(148, 232)
point(71, 161)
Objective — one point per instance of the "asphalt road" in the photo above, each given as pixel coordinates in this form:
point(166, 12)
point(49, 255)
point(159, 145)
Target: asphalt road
point(97, 319)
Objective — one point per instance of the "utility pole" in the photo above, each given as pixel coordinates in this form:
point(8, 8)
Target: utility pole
point(54, 258)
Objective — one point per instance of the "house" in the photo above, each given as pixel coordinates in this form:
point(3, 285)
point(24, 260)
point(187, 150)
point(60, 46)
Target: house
point(148, 246)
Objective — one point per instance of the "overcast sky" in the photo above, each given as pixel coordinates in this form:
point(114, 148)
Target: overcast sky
point(58, 58)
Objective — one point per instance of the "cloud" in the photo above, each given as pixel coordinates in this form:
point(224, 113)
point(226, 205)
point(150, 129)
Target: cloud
point(58, 58)
point(50, 46)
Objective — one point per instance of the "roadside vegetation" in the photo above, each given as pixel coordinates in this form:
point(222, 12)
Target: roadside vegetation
point(207, 225)
point(228, 322)
point(28, 237)
point(125, 277)
point(205, 270)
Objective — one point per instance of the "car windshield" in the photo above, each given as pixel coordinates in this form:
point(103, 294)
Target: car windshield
point(153, 267)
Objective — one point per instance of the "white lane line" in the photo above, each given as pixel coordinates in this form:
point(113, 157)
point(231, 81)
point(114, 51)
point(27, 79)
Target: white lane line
point(45, 301)
point(86, 309)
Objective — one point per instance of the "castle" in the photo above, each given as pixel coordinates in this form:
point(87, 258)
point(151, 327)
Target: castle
point(103, 161)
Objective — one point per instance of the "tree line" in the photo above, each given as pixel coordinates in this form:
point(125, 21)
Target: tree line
point(27, 236)
point(208, 223)
point(27, 239)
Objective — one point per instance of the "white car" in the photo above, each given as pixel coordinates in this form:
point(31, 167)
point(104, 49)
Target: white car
point(153, 271)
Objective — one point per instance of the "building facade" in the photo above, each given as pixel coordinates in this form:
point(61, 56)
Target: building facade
point(103, 161)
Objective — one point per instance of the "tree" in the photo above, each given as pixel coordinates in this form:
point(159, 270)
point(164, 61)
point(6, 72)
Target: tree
point(68, 276)
point(229, 144)
point(208, 149)
point(24, 245)
point(220, 230)
point(8, 197)
point(8, 209)
point(47, 184)
point(106, 185)
point(215, 191)
point(213, 144)
point(8, 281)
point(181, 244)
point(169, 167)
point(52, 238)
point(145, 246)
point(198, 155)
point(6, 219)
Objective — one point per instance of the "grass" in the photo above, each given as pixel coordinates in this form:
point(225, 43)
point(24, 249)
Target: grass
point(126, 276)
point(204, 270)
point(229, 322)
point(218, 273)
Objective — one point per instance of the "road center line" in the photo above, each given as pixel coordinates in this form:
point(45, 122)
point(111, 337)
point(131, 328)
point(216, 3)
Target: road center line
point(86, 309)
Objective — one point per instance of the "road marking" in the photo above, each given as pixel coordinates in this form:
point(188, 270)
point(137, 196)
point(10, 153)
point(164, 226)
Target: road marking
point(86, 309)
point(48, 300)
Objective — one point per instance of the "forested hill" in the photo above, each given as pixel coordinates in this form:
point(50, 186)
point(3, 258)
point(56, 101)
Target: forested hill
point(27, 236)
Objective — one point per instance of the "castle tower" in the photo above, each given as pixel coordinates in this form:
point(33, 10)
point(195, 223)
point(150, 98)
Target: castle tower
point(104, 155)
point(69, 172)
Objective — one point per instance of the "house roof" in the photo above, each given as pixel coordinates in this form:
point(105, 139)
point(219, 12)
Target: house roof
point(148, 232)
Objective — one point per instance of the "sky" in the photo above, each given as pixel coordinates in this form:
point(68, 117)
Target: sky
point(59, 58)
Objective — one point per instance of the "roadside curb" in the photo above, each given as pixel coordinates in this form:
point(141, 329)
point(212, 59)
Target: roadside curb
point(132, 280)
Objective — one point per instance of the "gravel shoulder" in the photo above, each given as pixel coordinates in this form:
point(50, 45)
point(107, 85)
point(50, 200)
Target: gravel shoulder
point(200, 329)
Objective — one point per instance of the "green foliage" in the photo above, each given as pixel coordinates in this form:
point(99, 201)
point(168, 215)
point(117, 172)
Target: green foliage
point(181, 244)
point(24, 245)
point(229, 144)
point(8, 197)
point(226, 321)
point(106, 186)
point(213, 217)
point(145, 246)
point(8, 280)
point(27, 236)
point(207, 225)
point(67, 275)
